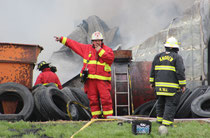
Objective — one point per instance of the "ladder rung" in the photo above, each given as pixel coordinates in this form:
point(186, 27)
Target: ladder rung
point(121, 73)
point(122, 105)
point(121, 80)
point(121, 92)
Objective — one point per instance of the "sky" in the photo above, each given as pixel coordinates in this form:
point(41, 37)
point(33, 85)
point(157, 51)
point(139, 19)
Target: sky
point(37, 21)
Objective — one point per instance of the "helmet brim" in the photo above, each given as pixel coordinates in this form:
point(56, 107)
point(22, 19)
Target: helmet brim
point(43, 66)
point(170, 46)
point(96, 39)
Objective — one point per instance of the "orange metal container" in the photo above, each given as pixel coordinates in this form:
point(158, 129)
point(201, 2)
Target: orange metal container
point(17, 62)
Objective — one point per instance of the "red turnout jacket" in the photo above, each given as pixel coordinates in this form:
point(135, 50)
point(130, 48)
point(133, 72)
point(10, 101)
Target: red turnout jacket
point(47, 76)
point(99, 63)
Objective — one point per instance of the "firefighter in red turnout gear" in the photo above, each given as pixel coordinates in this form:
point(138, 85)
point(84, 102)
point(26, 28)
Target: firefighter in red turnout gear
point(96, 72)
point(168, 78)
point(47, 75)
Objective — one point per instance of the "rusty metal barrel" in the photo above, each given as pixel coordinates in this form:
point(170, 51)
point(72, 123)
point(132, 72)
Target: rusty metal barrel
point(16, 65)
point(17, 62)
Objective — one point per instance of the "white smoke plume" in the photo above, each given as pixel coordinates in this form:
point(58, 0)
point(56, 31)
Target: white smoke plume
point(37, 21)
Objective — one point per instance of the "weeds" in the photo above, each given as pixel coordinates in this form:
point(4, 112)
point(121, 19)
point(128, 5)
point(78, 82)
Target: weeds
point(66, 129)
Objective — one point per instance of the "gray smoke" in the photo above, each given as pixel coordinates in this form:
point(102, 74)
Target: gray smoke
point(37, 21)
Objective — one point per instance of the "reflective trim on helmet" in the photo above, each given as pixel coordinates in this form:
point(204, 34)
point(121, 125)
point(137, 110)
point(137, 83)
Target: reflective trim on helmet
point(101, 52)
point(172, 42)
point(64, 40)
point(96, 113)
point(167, 84)
point(161, 67)
point(107, 112)
point(41, 64)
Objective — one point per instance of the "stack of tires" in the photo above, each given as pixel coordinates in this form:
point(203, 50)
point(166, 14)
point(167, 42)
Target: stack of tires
point(193, 104)
point(45, 102)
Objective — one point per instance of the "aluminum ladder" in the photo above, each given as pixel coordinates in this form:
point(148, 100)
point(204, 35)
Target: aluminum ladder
point(117, 82)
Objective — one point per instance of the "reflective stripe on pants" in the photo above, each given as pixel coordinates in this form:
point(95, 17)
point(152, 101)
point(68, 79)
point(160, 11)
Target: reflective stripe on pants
point(166, 107)
point(98, 92)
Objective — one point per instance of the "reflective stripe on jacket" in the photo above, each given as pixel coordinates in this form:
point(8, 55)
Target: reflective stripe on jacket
point(99, 63)
point(167, 73)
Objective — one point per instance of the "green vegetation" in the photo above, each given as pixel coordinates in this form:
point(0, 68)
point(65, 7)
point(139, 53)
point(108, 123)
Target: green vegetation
point(39, 129)
point(65, 129)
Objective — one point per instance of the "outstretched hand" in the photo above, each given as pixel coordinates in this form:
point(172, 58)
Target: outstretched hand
point(57, 38)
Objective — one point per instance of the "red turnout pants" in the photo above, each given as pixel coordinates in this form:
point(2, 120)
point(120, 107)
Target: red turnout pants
point(98, 92)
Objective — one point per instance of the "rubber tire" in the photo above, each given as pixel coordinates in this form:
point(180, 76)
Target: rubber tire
point(207, 89)
point(185, 110)
point(74, 112)
point(42, 114)
point(183, 98)
point(145, 109)
point(36, 115)
point(68, 92)
point(36, 86)
point(54, 103)
point(24, 93)
point(11, 117)
point(201, 106)
point(80, 95)
point(78, 112)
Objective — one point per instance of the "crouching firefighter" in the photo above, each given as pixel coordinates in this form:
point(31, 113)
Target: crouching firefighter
point(96, 72)
point(47, 75)
point(167, 76)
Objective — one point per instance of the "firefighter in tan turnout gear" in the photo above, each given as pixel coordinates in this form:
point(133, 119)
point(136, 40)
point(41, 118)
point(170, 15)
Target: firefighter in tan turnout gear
point(167, 77)
point(96, 72)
